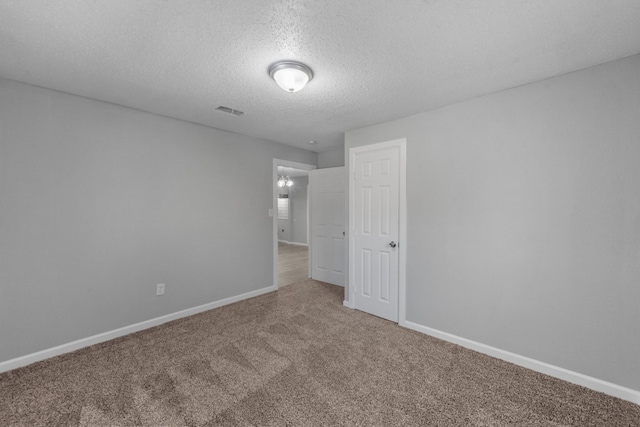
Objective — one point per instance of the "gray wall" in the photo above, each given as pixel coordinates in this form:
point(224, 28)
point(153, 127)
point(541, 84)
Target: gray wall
point(284, 225)
point(99, 203)
point(294, 229)
point(331, 159)
point(524, 219)
point(284, 229)
point(299, 209)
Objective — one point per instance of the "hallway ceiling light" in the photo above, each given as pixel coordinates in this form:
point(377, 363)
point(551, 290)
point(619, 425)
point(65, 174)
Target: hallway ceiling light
point(290, 75)
point(284, 181)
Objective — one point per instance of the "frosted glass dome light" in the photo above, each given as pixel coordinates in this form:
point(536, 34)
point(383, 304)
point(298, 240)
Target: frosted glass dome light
point(290, 75)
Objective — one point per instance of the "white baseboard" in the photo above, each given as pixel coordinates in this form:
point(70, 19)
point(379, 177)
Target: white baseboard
point(535, 365)
point(126, 330)
point(347, 304)
point(293, 243)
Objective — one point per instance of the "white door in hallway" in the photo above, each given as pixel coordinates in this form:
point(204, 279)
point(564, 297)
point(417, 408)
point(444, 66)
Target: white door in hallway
point(374, 258)
point(328, 225)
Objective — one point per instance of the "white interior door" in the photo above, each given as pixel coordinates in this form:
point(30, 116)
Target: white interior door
point(375, 195)
point(328, 225)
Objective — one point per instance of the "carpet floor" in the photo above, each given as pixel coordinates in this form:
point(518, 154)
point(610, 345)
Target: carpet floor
point(293, 357)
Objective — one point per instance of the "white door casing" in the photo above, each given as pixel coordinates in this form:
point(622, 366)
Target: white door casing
point(328, 219)
point(376, 193)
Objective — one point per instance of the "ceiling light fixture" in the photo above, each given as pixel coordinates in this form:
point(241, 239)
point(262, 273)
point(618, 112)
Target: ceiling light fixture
point(284, 181)
point(290, 75)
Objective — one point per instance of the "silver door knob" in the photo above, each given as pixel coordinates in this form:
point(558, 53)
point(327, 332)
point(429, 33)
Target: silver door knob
point(392, 244)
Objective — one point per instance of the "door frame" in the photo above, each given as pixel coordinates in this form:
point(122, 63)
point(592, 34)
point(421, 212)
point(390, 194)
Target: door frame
point(274, 210)
point(402, 221)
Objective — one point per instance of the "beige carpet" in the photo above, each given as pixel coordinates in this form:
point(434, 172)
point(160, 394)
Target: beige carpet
point(294, 357)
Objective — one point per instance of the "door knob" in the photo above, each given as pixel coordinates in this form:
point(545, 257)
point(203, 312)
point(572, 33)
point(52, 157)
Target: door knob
point(392, 244)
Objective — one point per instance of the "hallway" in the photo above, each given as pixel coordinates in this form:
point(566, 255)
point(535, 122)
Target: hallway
point(293, 263)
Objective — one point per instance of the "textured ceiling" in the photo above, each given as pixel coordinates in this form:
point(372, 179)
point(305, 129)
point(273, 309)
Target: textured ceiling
point(374, 60)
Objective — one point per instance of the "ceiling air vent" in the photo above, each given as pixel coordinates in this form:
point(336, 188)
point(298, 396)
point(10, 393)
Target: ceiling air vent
point(231, 111)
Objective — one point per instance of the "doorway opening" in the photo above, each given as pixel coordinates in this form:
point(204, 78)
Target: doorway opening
point(291, 222)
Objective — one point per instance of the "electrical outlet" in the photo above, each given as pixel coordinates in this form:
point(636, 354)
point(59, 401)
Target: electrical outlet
point(160, 289)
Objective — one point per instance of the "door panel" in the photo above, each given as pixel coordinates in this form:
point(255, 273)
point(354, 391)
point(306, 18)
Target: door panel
point(328, 225)
point(376, 189)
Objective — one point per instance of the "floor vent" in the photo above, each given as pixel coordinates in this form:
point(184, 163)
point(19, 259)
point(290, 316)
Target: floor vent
point(231, 111)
